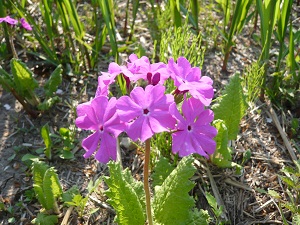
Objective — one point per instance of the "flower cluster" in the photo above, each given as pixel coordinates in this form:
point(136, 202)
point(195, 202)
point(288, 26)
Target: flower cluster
point(149, 110)
point(14, 22)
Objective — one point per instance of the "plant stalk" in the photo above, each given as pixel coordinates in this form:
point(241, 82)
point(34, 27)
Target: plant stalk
point(146, 182)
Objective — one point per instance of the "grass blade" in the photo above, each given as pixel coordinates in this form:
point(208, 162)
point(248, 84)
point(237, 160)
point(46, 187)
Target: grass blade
point(108, 14)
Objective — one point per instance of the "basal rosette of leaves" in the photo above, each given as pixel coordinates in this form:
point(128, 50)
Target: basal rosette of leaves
point(146, 109)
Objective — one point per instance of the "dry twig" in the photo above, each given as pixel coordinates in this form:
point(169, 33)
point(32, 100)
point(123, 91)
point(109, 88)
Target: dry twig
point(283, 135)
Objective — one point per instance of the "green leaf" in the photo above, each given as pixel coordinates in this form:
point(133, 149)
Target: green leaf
point(43, 219)
point(268, 11)
point(274, 194)
point(172, 203)
point(30, 157)
point(200, 217)
point(225, 5)
point(296, 218)
point(213, 203)
point(39, 169)
point(222, 155)
point(54, 81)
point(48, 103)
point(24, 81)
point(92, 185)
point(231, 106)
point(195, 7)
point(51, 188)
point(175, 12)
point(123, 196)
point(6, 80)
point(107, 10)
point(161, 171)
point(68, 195)
point(283, 18)
point(291, 61)
point(288, 181)
point(47, 140)
point(23, 77)
point(74, 18)
point(66, 155)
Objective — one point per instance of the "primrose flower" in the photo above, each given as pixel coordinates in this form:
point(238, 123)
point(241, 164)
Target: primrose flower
point(25, 25)
point(9, 20)
point(146, 112)
point(99, 115)
point(193, 134)
point(188, 79)
point(142, 69)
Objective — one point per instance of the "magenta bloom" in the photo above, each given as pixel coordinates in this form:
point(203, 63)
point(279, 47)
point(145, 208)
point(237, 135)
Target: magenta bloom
point(9, 20)
point(142, 69)
point(103, 87)
point(189, 79)
point(146, 112)
point(25, 25)
point(109, 77)
point(193, 134)
point(99, 115)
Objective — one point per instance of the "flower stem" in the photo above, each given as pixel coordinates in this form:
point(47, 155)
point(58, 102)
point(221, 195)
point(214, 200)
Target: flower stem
point(146, 182)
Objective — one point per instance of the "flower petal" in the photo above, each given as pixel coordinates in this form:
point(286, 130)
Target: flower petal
point(90, 144)
point(108, 149)
point(128, 109)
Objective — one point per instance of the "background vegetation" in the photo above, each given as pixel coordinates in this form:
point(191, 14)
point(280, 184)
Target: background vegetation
point(57, 63)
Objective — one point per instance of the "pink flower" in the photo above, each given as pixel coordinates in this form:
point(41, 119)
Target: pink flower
point(99, 115)
point(103, 86)
point(146, 112)
point(9, 20)
point(142, 69)
point(107, 78)
point(188, 79)
point(193, 134)
point(25, 25)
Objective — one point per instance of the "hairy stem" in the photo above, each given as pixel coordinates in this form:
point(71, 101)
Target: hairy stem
point(146, 182)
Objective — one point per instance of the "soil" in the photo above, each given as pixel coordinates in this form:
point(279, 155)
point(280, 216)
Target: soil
point(243, 195)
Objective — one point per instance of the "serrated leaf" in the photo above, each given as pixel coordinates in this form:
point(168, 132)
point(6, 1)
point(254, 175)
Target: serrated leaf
point(92, 185)
point(66, 155)
point(45, 132)
point(289, 206)
point(231, 106)
point(39, 169)
point(51, 188)
point(161, 171)
point(222, 155)
point(288, 181)
point(24, 81)
point(30, 157)
point(123, 197)
point(6, 80)
point(137, 186)
point(297, 163)
point(274, 194)
point(43, 219)
point(172, 203)
point(48, 103)
point(54, 81)
point(200, 217)
point(296, 218)
point(68, 195)
point(23, 77)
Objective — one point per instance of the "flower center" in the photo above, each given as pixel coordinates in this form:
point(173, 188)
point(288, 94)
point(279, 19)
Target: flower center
point(153, 79)
point(189, 128)
point(146, 111)
point(101, 128)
